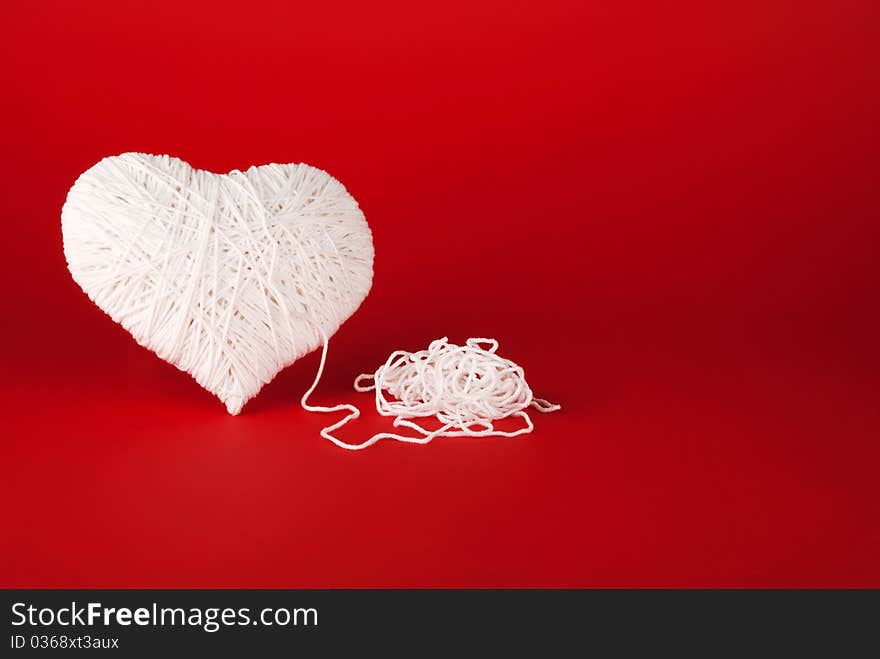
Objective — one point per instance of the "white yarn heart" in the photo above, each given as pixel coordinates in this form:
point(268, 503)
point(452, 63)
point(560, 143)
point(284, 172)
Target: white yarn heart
point(230, 277)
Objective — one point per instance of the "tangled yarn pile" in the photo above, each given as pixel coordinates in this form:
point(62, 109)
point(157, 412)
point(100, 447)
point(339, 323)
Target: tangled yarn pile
point(230, 277)
point(466, 388)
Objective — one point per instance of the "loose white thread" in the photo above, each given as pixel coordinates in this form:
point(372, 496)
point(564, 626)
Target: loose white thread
point(466, 388)
point(230, 277)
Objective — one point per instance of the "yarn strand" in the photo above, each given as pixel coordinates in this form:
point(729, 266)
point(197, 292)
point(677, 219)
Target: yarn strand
point(466, 388)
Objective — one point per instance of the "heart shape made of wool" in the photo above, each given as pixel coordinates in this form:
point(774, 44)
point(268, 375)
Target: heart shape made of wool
point(230, 277)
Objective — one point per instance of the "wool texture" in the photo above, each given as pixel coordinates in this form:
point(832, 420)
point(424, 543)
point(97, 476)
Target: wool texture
point(230, 277)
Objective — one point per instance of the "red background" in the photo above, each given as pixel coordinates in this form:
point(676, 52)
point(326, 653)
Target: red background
point(669, 215)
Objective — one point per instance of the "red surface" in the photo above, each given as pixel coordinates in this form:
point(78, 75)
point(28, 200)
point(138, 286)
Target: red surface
point(670, 216)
